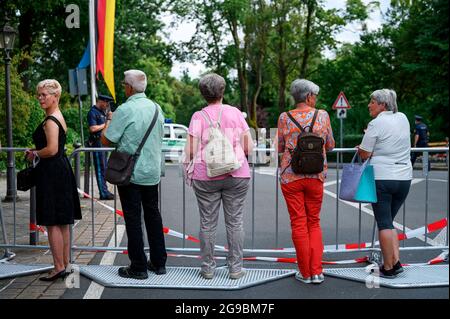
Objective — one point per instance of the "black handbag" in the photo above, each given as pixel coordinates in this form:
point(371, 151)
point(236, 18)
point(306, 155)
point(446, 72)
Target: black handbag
point(26, 178)
point(121, 165)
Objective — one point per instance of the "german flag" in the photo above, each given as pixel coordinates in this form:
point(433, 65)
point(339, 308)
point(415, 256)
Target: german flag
point(105, 44)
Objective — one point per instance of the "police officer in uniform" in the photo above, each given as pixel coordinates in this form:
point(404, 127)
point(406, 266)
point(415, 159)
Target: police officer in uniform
point(420, 137)
point(96, 121)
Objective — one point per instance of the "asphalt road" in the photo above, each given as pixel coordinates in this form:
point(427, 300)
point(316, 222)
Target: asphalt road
point(271, 229)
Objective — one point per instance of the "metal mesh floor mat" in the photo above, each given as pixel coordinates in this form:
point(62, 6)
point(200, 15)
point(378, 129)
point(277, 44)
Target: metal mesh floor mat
point(412, 277)
point(16, 270)
point(183, 278)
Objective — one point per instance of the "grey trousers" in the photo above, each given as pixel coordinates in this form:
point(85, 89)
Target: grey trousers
point(232, 192)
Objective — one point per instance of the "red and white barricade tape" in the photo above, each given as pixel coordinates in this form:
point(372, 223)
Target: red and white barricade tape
point(280, 260)
point(34, 227)
point(86, 195)
point(171, 232)
point(443, 257)
point(438, 225)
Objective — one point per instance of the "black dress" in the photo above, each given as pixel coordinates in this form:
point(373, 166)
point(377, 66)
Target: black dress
point(57, 201)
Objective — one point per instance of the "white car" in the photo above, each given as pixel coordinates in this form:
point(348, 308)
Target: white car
point(174, 140)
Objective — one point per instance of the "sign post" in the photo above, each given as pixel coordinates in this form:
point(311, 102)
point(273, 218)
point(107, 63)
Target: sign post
point(341, 105)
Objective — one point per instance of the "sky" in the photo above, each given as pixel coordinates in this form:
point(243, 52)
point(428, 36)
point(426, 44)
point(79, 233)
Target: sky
point(184, 31)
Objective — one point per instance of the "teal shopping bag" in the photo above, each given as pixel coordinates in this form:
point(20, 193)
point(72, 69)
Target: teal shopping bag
point(366, 192)
point(358, 182)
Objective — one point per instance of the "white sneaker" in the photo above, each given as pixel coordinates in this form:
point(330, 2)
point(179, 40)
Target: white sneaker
point(299, 277)
point(207, 275)
point(317, 279)
point(237, 275)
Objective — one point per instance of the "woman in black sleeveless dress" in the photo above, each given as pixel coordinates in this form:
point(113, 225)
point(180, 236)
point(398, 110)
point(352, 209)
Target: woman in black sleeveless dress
point(57, 201)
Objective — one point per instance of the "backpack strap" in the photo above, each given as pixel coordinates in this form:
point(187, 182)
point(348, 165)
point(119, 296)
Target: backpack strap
point(208, 119)
point(311, 126)
point(295, 121)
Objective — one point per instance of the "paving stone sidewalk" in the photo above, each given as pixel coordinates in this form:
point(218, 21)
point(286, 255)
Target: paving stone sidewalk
point(30, 287)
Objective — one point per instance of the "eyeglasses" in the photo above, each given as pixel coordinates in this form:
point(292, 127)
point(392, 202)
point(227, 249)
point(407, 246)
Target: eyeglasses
point(124, 83)
point(43, 95)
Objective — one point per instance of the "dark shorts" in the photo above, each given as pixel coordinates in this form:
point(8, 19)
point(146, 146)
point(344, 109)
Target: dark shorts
point(391, 196)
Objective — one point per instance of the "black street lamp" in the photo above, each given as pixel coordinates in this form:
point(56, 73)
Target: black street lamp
point(7, 37)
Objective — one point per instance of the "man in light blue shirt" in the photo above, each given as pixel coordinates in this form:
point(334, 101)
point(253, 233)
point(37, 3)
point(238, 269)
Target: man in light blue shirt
point(126, 128)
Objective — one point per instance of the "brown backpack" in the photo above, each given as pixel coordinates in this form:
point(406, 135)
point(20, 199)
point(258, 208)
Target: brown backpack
point(307, 157)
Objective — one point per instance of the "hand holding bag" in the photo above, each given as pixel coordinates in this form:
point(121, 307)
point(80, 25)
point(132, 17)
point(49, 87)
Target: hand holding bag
point(26, 178)
point(121, 165)
point(358, 182)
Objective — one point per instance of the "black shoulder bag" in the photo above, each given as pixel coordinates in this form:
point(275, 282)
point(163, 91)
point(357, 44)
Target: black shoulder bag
point(26, 178)
point(121, 165)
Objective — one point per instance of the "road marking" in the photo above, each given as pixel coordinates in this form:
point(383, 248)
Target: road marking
point(370, 212)
point(95, 290)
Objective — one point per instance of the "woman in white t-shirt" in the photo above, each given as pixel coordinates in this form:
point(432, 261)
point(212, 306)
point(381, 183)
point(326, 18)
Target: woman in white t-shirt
point(387, 142)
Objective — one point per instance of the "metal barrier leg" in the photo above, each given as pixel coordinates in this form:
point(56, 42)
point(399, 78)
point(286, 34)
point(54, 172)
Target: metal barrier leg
point(253, 206)
point(448, 181)
point(33, 233)
point(8, 255)
point(91, 171)
point(276, 207)
point(337, 200)
point(375, 256)
point(87, 170)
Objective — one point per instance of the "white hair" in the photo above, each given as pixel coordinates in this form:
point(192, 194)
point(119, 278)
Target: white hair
point(301, 88)
point(386, 96)
point(52, 86)
point(136, 79)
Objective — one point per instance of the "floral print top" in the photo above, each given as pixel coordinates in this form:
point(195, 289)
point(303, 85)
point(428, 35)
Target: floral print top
point(287, 140)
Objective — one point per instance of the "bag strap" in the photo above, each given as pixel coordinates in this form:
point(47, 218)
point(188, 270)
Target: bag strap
point(152, 124)
point(299, 126)
point(311, 126)
point(295, 121)
point(208, 119)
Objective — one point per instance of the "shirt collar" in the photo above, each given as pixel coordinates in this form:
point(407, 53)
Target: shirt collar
point(385, 113)
point(136, 96)
point(99, 109)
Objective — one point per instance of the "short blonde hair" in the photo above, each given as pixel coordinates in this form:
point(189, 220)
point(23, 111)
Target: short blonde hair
point(51, 85)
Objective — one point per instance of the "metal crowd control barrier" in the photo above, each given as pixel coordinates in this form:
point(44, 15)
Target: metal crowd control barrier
point(339, 151)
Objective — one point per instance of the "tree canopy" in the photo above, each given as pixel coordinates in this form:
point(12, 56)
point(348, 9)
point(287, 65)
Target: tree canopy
point(258, 46)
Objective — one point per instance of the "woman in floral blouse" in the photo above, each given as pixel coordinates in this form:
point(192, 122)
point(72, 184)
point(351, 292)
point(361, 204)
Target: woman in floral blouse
point(304, 193)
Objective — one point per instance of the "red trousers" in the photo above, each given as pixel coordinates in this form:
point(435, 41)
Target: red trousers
point(304, 201)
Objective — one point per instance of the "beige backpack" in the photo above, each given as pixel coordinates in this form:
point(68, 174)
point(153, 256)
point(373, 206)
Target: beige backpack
point(219, 153)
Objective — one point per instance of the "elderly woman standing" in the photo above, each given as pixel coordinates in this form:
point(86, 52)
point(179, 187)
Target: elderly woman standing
point(229, 189)
point(57, 201)
point(387, 143)
point(304, 192)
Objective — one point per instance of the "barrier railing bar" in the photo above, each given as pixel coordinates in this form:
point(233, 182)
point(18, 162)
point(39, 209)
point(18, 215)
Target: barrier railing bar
point(339, 151)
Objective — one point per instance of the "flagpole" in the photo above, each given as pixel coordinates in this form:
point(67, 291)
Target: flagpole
point(93, 42)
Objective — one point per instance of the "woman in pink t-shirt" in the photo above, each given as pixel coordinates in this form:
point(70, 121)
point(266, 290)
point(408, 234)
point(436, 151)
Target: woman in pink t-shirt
point(230, 188)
